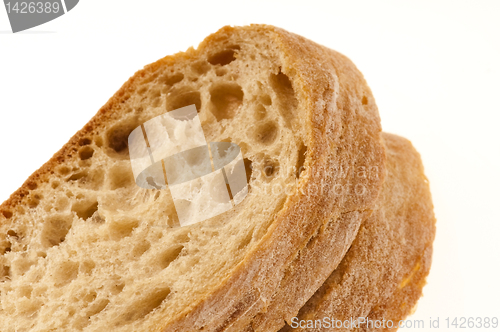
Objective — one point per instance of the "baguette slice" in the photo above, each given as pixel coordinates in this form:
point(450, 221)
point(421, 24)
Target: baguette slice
point(84, 248)
point(382, 275)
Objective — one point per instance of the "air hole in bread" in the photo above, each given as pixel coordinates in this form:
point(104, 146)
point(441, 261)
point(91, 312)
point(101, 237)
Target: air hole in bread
point(117, 287)
point(4, 273)
point(87, 266)
point(248, 168)
point(183, 98)
point(154, 96)
point(89, 297)
point(200, 67)
point(7, 214)
point(30, 308)
point(222, 58)
point(142, 90)
point(301, 158)
point(183, 236)
point(220, 71)
point(25, 291)
point(266, 100)
point(71, 311)
point(140, 249)
point(85, 209)
point(270, 169)
point(120, 176)
point(33, 202)
point(169, 255)
point(84, 141)
point(244, 147)
point(97, 307)
point(66, 272)
point(32, 185)
point(226, 100)
point(143, 306)
point(149, 78)
point(12, 233)
point(63, 170)
point(8, 248)
point(122, 228)
point(285, 95)
point(266, 133)
point(260, 112)
point(78, 176)
point(364, 100)
point(20, 210)
point(86, 153)
point(172, 79)
point(117, 136)
point(98, 141)
point(97, 218)
point(54, 230)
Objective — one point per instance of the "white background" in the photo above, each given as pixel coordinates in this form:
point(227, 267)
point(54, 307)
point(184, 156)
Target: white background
point(433, 68)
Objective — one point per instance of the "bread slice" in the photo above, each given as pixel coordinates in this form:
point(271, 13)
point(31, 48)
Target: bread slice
point(84, 248)
point(382, 276)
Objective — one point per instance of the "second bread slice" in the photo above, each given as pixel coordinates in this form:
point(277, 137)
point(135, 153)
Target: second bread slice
point(381, 278)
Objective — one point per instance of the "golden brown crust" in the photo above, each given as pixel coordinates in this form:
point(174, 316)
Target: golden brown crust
point(404, 300)
point(384, 271)
point(343, 131)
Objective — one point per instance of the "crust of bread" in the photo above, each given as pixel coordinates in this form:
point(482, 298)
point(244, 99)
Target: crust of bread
point(343, 131)
point(404, 300)
point(383, 274)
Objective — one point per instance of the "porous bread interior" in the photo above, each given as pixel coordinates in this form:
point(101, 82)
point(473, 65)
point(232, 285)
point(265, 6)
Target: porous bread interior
point(91, 250)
